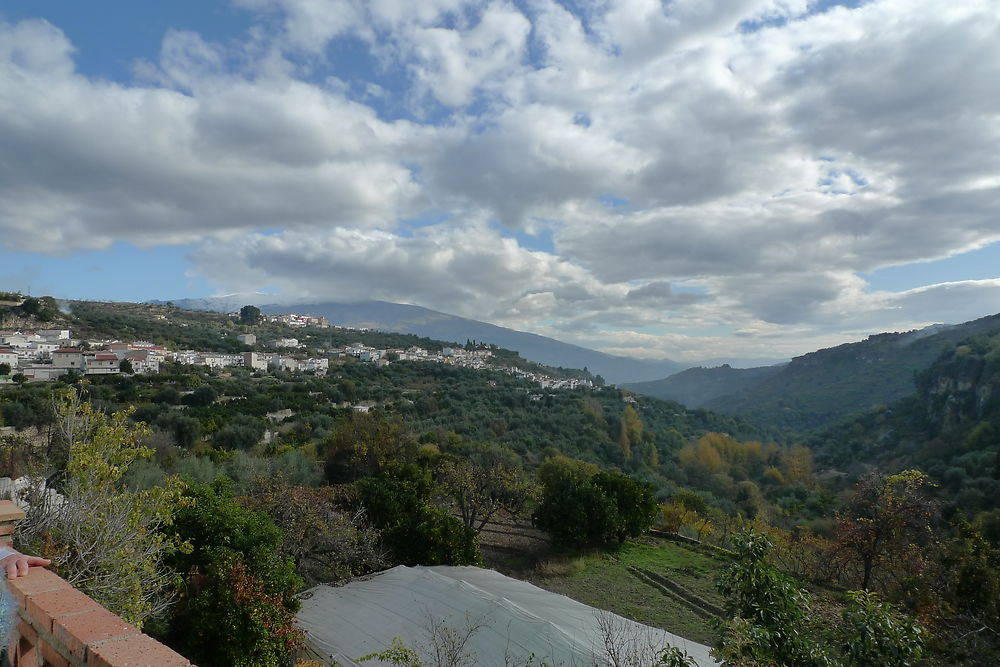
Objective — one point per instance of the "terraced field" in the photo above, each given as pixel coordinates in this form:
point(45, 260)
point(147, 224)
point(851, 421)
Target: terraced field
point(621, 583)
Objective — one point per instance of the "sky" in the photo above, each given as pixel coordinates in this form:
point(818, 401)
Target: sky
point(685, 179)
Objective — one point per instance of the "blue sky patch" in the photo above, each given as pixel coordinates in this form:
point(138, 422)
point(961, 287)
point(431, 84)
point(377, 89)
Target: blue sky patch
point(982, 264)
point(125, 273)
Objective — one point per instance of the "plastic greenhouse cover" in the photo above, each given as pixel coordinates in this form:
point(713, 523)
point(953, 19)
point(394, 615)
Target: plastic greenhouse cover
point(517, 622)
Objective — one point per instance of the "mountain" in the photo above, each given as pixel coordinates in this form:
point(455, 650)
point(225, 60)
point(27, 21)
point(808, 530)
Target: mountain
point(441, 326)
point(949, 427)
point(695, 387)
point(821, 387)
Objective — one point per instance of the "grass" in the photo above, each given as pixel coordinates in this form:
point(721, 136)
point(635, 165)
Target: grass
point(603, 581)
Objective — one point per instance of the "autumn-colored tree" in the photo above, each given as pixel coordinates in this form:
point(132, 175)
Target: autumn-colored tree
point(797, 464)
point(884, 521)
point(674, 516)
point(630, 431)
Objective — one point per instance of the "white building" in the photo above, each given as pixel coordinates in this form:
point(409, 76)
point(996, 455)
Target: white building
point(54, 334)
point(9, 357)
point(255, 361)
point(247, 339)
point(214, 360)
point(318, 365)
point(143, 361)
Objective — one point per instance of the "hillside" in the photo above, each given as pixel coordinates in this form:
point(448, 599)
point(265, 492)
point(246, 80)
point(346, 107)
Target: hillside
point(823, 387)
point(435, 400)
point(696, 387)
point(949, 428)
point(441, 326)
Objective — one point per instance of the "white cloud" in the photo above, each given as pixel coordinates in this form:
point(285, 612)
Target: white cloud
point(655, 145)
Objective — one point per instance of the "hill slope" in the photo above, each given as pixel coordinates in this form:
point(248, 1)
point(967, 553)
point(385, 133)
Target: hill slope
point(822, 387)
point(696, 387)
point(949, 428)
point(441, 326)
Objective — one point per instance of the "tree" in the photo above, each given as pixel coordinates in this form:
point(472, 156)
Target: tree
point(327, 539)
point(767, 612)
point(884, 520)
point(875, 634)
point(201, 397)
point(485, 485)
point(239, 592)
point(417, 533)
point(769, 621)
point(630, 431)
point(634, 501)
point(4, 368)
point(250, 315)
point(125, 366)
point(365, 443)
point(43, 309)
point(581, 507)
point(104, 538)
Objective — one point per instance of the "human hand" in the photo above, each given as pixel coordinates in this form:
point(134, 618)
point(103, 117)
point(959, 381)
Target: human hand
point(17, 564)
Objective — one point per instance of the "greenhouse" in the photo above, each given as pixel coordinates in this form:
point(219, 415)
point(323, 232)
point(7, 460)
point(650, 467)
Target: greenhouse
point(478, 616)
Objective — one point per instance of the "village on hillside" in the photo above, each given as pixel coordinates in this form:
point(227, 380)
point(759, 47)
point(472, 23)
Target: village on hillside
point(46, 354)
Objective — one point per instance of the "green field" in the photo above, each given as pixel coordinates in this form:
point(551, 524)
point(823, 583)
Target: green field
point(604, 581)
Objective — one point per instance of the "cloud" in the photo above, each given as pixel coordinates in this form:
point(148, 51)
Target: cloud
point(87, 162)
point(760, 153)
point(465, 270)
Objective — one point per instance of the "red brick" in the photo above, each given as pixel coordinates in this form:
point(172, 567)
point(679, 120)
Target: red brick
point(25, 634)
point(44, 607)
point(140, 651)
point(38, 580)
point(52, 657)
point(6, 528)
point(77, 631)
point(27, 654)
point(25, 630)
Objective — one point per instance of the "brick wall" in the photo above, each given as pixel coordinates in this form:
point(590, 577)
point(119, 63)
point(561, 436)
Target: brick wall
point(59, 626)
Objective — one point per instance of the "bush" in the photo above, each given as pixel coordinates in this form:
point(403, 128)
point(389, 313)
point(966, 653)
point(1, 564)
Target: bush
point(398, 502)
point(582, 508)
point(239, 599)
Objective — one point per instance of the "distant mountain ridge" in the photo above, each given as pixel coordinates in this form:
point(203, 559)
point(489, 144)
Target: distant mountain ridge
point(696, 387)
point(821, 387)
point(441, 326)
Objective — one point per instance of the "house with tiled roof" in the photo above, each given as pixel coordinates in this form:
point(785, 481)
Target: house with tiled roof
point(100, 363)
